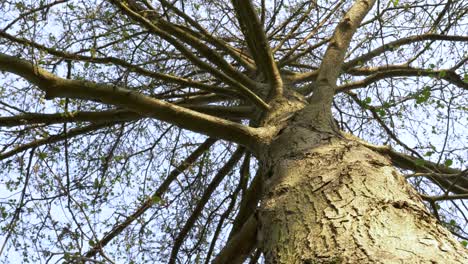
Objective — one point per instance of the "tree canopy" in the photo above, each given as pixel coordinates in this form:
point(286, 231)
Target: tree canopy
point(129, 129)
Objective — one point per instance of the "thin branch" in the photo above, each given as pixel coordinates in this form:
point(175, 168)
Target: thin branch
point(457, 184)
point(445, 197)
point(41, 7)
point(35, 118)
point(21, 203)
point(234, 112)
point(156, 196)
point(249, 203)
point(397, 43)
point(55, 138)
point(233, 52)
point(379, 120)
point(288, 58)
point(378, 73)
point(236, 156)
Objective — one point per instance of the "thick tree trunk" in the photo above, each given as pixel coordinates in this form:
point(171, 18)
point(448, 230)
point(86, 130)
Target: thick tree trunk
point(333, 200)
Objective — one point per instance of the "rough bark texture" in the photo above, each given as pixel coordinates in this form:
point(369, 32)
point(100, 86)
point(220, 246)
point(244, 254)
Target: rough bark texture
point(330, 199)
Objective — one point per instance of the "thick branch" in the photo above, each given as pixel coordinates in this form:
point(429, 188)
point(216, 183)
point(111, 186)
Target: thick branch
point(239, 247)
point(55, 86)
point(319, 109)
point(458, 183)
point(131, 67)
point(258, 44)
point(240, 112)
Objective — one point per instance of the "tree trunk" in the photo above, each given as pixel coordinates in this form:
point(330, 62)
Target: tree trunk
point(330, 199)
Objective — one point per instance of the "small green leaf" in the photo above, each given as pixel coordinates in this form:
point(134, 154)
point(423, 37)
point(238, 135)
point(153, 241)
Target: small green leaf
point(419, 162)
point(424, 95)
point(464, 243)
point(42, 155)
point(442, 74)
point(96, 183)
point(395, 2)
point(368, 100)
point(381, 112)
point(156, 199)
point(448, 162)
point(429, 153)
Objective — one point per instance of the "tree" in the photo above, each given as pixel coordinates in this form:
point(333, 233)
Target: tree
point(195, 131)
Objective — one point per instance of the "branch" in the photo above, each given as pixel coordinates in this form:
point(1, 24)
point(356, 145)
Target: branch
point(239, 112)
point(288, 58)
point(173, 34)
point(203, 34)
point(157, 195)
point(258, 45)
point(249, 203)
point(297, 24)
point(55, 86)
point(445, 197)
point(34, 118)
point(319, 109)
point(339, 43)
point(239, 247)
point(378, 73)
point(458, 183)
point(379, 120)
point(41, 7)
point(397, 43)
point(116, 61)
point(55, 138)
point(236, 156)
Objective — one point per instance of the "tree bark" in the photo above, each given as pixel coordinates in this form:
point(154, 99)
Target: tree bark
point(331, 199)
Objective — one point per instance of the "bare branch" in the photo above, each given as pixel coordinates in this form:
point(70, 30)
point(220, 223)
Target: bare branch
point(34, 118)
point(240, 112)
point(240, 82)
point(55, 86)
point(131, 67)
point(397, 43)
point(258, 45)
point(157, 195)
point(239, 247)
point(55, 138)
point(379, 73)
point(236, 156)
